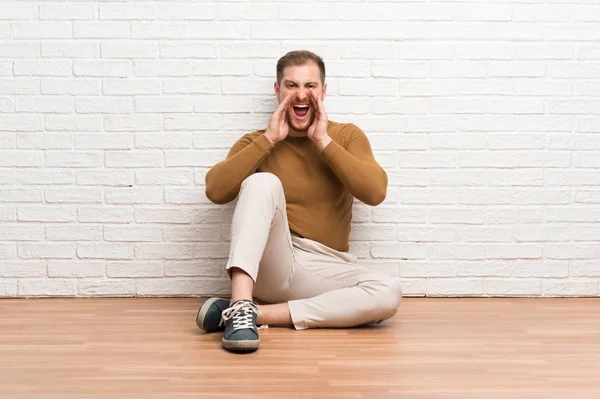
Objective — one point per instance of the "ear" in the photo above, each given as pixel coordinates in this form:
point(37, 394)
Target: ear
point(324, 90)
point(276, 89)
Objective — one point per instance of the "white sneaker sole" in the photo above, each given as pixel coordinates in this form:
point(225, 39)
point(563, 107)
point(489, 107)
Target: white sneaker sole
point(243, 345)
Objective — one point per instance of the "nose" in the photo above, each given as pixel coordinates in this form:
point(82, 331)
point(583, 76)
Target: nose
point(301, 94)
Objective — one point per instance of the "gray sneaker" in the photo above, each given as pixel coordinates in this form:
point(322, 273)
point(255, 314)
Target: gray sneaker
point(209, 316)
point(241, 334)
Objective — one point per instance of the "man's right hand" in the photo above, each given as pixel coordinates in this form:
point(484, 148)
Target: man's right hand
point(278, 128)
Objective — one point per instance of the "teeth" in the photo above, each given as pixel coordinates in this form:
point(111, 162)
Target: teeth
point(301, 106)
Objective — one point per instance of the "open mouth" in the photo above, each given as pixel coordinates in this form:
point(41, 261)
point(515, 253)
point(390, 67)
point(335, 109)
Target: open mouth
point(301, 110)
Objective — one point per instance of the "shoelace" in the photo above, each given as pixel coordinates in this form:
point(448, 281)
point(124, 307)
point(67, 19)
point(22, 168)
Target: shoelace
point(241, 313)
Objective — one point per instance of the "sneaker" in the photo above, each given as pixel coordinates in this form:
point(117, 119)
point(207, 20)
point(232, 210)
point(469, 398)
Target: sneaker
point(208, 318)
point(241, 334)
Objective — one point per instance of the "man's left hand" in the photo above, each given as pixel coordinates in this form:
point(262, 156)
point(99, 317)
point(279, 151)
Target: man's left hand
point(317, 132)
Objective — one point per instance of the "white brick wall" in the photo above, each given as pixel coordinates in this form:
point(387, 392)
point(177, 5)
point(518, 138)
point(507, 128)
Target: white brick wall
point(485, 116)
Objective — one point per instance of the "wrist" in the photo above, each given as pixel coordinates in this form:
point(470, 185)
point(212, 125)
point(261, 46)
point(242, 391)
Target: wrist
point(324, 142)
point(270, 139)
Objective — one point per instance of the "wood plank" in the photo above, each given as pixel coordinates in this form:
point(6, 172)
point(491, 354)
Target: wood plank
point(525, 348)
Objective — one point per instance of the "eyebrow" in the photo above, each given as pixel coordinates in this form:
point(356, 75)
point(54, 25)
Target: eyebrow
point(291, 81)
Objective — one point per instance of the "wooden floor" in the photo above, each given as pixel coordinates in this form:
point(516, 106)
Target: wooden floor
point(434, 348)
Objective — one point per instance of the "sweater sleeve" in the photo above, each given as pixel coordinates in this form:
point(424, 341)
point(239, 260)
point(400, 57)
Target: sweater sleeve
point(357, 168)
point(223, 180)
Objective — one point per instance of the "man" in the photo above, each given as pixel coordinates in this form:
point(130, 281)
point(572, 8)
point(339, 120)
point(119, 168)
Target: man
point(295, 182)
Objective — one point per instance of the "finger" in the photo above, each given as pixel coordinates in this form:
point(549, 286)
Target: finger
point(284, 104)
point(313, 101)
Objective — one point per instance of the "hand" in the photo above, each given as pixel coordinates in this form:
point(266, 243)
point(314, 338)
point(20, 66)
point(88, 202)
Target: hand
point(278, 128)
point(317, 132)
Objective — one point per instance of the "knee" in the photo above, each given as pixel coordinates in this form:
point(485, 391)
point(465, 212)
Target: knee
point(263, 182)
point(388, 294)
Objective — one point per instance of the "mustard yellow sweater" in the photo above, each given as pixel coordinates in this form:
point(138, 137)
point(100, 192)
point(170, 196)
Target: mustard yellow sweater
point(319, 186)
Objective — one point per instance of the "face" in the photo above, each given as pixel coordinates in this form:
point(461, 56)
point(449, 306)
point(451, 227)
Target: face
point(299, 80)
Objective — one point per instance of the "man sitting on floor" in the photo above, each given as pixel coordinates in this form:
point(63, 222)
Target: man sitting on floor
point(295, 182)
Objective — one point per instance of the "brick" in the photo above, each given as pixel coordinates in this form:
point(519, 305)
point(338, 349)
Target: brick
point(541, 196)
point(454, 287)
point(134, 269)
point(190, 29)
point(105, 251)
point(458, 141)
point(44, 141)
point(158, 141)
point(101, 30)
point(8, 251)
point(541, 233)
point(75, 268)
point(46, 213)
point(185, 11)
point(128, 11)
point(520, 69)
point(486, 123)
point(572, 106)
point(490, 234)
point(104, 105)
point(196, 267)
point(254, 50)
point(73, 159)
point(7, 176)
point(561, 288)
point(110, 288)
point(483, 269)
point(22, 86)
point(164, 215)
point(44, 104)
point(572, 178)
point(129, 49)
point(584, 268)
point(541, 269)
point(109, 177)
point(131, 87)
point(517, 215)
point(399, 214)
point(243, 11)
point(516, 142)
point(73, 195)
point(68, 11)
point(46, 250)
point(188, 49)
point(513, 251)
point(425, 234)
point(130, 195)
point(463, 105)
point(73, 233)
point(457, 178)
point(571, 251)
point(70, 123)
point(20, 232)
point(204, 233)
point(21, 195)
point(545, 123)
point(123, 141)
point(461, 216)
point(41, 30)
point(8, 214)
point(512, 287)
point(164, 177)
point(572, 214)
point(12, 158)
point(429, 269)
point(457, 69)
point(373, 233)
point(516, 177)
point(15, 11)
point(203, 158)
point(163, 104)
point(164, 251)
point(191, 122)
point(133, 159)
point(394, 69)
point(214, 215)
point(200, 86)
point(587, 196)
point(133, 123)
point(47, 287)
point(8, 141)
point(8, 288)
point(132, 233)
point(102, 68)
point(485, 196)
point(399, 251)
point(481, 51)
point(105, 214)
point(70, 49)
point(186, 196)
point(144, 68)
point(228, 104)
point(70, 87)
point(182, 286)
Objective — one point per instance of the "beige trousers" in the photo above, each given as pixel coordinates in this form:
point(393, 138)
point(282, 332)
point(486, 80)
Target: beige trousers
point(322, 286)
